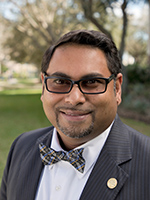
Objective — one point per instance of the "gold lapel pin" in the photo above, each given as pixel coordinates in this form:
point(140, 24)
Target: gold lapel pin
point(112, 183)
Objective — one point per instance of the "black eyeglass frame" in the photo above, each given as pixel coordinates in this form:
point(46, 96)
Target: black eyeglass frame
point(107, 80)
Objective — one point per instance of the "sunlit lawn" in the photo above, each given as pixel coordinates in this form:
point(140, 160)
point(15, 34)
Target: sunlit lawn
point(20, 113)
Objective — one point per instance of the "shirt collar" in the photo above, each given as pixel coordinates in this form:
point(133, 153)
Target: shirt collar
point(92, 148)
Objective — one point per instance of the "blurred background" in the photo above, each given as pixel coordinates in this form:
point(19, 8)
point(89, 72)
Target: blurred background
point(29, 27)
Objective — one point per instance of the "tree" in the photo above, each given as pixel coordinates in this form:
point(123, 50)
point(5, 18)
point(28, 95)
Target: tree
point(105, 12)
point(38, 24)
point(105, 9)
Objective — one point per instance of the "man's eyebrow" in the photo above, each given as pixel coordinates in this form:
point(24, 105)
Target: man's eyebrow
point(60, 74)
point(92, 75)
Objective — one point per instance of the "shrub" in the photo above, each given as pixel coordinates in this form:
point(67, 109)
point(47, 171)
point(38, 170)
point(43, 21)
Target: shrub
point(137, 74)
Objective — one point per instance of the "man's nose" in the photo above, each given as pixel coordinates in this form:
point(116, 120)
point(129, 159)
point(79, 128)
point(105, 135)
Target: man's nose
point(75, 96)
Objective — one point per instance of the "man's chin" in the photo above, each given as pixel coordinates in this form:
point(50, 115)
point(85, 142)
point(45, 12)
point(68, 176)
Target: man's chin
point(74, 131)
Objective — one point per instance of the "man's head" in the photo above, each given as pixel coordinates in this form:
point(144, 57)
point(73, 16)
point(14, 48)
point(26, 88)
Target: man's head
point(79, 75)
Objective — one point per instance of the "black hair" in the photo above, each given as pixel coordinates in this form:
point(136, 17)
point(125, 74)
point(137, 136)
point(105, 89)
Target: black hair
point(91, 38)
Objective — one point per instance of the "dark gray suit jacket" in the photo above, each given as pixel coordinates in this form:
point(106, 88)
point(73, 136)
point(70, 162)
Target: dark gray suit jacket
point(125, 157)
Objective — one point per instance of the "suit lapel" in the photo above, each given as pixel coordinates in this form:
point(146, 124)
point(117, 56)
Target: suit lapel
point(31, 168)
point(115, 152)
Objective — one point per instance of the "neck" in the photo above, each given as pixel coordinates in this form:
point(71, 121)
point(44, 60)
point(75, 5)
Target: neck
point(70, 143)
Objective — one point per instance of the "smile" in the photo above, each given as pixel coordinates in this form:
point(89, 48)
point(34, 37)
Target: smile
point(70, 115)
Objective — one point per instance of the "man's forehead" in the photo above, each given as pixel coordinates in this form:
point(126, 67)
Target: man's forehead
point(72, 60)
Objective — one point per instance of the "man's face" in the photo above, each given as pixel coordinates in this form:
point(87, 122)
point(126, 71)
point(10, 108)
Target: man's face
point(80, 117)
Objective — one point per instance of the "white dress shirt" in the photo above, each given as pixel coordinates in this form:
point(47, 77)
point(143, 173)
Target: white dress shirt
point(62, 181)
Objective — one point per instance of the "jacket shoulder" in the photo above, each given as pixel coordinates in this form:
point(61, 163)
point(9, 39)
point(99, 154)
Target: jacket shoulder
point(25, 141)
point(32, 136)
point(139, 140)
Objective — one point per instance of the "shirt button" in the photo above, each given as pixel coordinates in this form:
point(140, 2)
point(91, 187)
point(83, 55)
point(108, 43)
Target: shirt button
point(58, 187)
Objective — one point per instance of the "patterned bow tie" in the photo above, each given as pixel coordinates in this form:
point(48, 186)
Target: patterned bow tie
point(49, 156)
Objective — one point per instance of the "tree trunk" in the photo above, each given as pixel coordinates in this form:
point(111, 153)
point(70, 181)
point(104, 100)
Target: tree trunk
point(149, 37)
point(88, 12)
point(124, 27)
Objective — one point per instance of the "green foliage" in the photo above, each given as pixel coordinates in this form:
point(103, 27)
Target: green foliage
point(38, 25)
point(3, 68)
point(137, 97)
point(136, 103)
point(137, 74)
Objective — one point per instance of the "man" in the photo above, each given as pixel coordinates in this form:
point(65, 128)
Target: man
point(81, 77)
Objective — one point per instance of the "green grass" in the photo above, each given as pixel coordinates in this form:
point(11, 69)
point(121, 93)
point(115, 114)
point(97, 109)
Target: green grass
point(138, 125)
point(18, 114)
point(23, 112)
point(20, 91)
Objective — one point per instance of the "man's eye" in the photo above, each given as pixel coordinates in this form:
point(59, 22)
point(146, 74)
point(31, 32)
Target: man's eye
point(91, 81)
point(61, 81)
point(58, 81)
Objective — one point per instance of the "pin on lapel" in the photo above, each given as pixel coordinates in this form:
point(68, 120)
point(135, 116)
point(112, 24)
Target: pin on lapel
point(112, 183)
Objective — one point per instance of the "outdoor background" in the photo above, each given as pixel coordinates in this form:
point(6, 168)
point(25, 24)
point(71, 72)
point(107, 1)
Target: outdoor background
point(29, 27)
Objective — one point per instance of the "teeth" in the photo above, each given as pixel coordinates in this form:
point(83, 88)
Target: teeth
point(71, 114)
point(74, 114)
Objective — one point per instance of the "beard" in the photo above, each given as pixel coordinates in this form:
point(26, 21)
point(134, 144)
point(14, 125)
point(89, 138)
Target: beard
point(74, 130)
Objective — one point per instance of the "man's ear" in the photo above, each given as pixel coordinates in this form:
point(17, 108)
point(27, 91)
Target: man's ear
point(119, 80)
point(42, 77)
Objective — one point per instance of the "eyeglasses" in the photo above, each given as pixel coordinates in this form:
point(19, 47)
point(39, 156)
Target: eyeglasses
point(61, 85)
